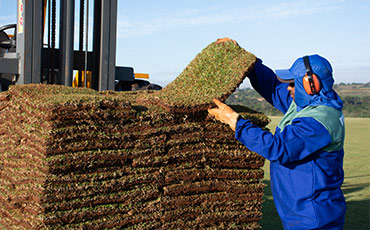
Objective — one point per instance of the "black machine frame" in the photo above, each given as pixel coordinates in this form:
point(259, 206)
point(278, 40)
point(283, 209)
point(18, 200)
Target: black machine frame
point(35, 62)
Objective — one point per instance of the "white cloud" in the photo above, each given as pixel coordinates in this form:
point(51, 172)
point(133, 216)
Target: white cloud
point(129, 27)
point(132, 24)
point(7, 20)
point(352, 74)
point(298, 8)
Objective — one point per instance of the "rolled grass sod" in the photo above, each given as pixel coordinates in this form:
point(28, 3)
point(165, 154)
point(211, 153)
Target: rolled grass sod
point(214, 73)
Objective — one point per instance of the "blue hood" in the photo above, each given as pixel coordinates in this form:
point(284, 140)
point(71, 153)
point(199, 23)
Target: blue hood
point(322, 68)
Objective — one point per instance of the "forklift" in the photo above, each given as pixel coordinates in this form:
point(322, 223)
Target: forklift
point(28, 54)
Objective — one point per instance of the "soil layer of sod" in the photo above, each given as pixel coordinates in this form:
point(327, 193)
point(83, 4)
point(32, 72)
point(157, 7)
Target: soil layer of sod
point(76, 158)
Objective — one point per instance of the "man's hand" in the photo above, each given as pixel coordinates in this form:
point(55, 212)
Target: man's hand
point(221, 40)
point(4, 97)
point(224, 113)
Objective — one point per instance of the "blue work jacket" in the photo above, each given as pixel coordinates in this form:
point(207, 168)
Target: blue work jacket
point(306, 155)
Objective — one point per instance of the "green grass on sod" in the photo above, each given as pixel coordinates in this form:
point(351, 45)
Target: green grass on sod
point(356, 186)
point(214, 73)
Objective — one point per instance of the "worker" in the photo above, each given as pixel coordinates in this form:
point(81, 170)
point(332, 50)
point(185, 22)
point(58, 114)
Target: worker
point(306, 151)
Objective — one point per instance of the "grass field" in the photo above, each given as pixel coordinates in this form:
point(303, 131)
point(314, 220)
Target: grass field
point(356, 186)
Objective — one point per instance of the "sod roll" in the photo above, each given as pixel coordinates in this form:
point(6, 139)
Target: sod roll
point(214, 73)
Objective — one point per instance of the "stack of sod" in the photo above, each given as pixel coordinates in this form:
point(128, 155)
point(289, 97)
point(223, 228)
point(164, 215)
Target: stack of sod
point(214, 73)
point(75, 158)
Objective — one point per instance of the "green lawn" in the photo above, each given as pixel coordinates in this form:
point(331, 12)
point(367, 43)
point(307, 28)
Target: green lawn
point(356, 186)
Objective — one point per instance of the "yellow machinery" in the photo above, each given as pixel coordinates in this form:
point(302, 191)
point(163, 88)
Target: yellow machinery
point(137, 84)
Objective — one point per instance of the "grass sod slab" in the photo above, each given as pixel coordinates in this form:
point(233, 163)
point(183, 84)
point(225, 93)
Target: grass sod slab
point(214, 205)
point(199, 158)
point(213, 151)
point(235, 186)
point(79, 190)
point(210, 143)
point(249, 200)
point(140, 194)
point(105, 142)
point(86, 162)
point(76, 134)
point(196, 160)
point(208, 174)
point(229, 215)
point(114, 129)
point(196, 213)
point(57, 95)
point(118, 142)
point(98, 174)
point(76, 113)
point(230, 164)
point(214, 73)
point(119, 118)
point(89, 141)
point(180, 224)
point(111, 128)
point(91, 213)
point(80, 113)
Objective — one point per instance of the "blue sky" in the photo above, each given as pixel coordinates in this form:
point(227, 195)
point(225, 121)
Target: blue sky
point(161, 37)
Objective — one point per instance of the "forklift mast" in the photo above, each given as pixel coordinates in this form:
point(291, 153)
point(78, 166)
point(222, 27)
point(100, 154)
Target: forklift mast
point(44, 58)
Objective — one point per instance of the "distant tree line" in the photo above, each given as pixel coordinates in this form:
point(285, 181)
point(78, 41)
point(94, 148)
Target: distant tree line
point(355, 105)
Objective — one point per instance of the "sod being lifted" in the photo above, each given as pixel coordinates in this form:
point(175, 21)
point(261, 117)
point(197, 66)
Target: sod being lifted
point(76, 158)
point(214, 73)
